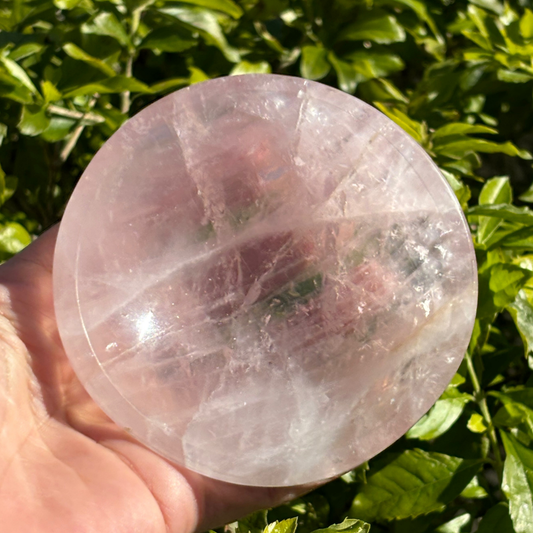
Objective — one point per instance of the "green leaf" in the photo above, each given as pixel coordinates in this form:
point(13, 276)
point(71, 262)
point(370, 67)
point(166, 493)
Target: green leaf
point(347, 526)
point(413, 483)
point(106, 23)
point(517, 483)
point(314, 64)
point(13, 238)
point(346, 73)
point(441, 416)
point(225, 6)
point(507, 212)
point(284, 526)
point(496, 520)
point(168, 85)
point(527, 196)
point(246, 67)
point(169, 39)
point(116, 84)
point(207, 23)
point(375, 25)
point(459, 524)
point(33, 120)
point(521, 310)
point(75, 52)
point(515, 415)
point(253, 523)
point(197, 75)
point(375, 64)
point(526, 24)
point(506, 280)
point(3, 132)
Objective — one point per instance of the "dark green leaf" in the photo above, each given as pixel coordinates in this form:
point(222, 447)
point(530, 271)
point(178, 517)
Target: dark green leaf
point(376, 25)
point(314, 64)
point(116, 84)
point(517, 483)
point(207, 23)
point(497, 520)
point(169, 39)
point(346, 73)
point(374, 64)
point(521, 309)
point(508, 212)
point(413, 483)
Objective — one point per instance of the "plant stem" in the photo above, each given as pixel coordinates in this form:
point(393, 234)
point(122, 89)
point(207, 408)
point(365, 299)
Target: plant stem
point(75, 135)
point(482, 403)
point(125, 98)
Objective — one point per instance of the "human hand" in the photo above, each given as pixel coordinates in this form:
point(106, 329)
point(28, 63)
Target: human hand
point(64, 465)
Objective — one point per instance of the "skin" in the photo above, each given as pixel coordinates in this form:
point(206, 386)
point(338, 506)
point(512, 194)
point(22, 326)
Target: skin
point(64, 465)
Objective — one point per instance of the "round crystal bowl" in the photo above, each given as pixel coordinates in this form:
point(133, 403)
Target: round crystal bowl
point(264, 279)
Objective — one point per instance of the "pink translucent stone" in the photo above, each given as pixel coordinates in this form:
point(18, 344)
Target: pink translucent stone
point(264, 279)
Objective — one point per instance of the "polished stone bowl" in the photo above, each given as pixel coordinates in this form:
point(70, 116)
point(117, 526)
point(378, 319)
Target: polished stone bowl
point(264, 279)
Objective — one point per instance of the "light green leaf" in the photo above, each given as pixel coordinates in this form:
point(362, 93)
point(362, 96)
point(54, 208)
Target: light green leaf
point(416, 129)
point(375, 25)
point(476, 423)
point(33, 120)
point(285, 526)
point(225, 6)
point(527, 196)
point(413, 483)
point(512, 76)
point(13, 238)
point(105, 23)
point(314, 64)
point(526, 24)
point(197, 75)
point(515, 415)
point(50, 92)
point(347, 526)
point(3, 132)
point(517, 483)
point(18, 73)
point(461, 128)
point(496, 520)
point(245, 67)
point(75, 52)
point(381, 90)
point(66, 4)
point(441, 416)
point(207, 23)
point(168, 39)
point(458, 146)
point(474, 491)
point(495, 191)
point(116, 84)
point(462, 191)
point(455, 525)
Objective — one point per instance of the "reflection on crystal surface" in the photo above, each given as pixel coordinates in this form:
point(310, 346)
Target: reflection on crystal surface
point(277, 282)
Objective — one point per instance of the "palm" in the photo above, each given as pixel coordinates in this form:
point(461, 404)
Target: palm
point(64, 465)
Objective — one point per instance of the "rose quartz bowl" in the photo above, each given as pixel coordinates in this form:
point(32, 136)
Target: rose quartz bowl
point(264, 280)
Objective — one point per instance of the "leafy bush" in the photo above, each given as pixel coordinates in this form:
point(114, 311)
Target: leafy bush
point(456, 75)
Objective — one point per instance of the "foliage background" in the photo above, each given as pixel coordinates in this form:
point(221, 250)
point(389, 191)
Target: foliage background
point(455, 74)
